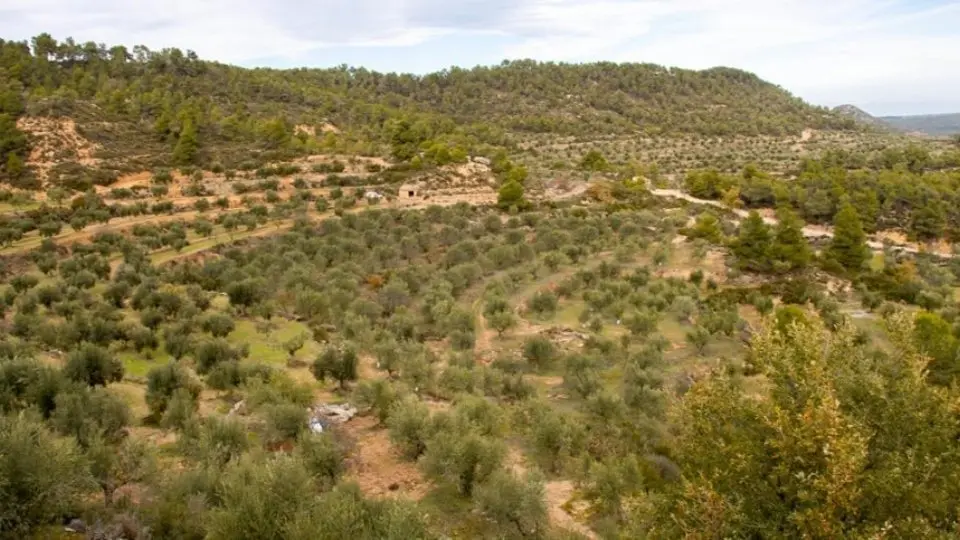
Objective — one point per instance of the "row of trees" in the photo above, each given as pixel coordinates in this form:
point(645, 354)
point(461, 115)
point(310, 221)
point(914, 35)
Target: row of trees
point(904, 196)
point(783, 248)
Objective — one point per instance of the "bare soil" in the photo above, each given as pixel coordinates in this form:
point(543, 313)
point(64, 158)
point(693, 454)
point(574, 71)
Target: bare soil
point(562, 509)
point(53, 141)
point(558, 494)
point(377, 466)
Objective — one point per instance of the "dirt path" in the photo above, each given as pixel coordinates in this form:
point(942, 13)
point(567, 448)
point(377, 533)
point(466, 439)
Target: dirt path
point(809, 231)
point(558, 494)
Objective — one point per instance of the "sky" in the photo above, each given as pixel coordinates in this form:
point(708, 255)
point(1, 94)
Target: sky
point(888, 57)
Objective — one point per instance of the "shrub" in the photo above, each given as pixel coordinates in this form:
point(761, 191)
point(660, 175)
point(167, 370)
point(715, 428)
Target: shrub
point(93, 365)
point(44, 476)
point(163, 381)
point(539, 351)
point(543, 303)
point(285, 421)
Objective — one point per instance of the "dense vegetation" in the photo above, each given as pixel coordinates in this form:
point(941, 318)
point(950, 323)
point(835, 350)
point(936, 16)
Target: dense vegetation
point(617, 363)
point(397, 287)
point(171, 108)
point(897, 189)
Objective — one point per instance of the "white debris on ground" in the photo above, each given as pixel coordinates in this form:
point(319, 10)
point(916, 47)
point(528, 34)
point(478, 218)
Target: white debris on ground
point(325, 415)
point(239, 407)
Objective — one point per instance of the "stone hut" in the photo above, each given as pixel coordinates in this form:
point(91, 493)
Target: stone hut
point(410, 191)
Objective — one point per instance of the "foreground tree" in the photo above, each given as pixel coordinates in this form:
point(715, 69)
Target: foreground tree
point(516, 505)
point(934, 337)
point(511, 196)
point(164, 381)
point(462, 457)
point(849, 443)
point(115, 466)
point(41, 476)
point(502, 321)
point(260, 499)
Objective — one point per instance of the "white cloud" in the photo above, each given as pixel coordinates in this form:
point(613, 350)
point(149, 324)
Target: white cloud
point(881, 52)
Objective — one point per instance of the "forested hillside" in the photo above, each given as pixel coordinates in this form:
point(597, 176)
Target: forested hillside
point(171, 108)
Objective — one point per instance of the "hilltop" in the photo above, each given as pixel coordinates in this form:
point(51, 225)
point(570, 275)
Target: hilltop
point(142, 109)
point(861, 116)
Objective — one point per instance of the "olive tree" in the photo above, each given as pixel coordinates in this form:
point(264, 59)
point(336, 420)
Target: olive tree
point(43, 476)
point(93, 365)
point(337, 363)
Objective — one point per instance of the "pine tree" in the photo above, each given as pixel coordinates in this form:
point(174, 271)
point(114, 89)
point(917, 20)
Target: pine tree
point(511, 194)
point(789, 250)
point(849, 246)
point(752, 246)
point(825, 454)
point(185, 152)
point(928, 222)
point(14, 166)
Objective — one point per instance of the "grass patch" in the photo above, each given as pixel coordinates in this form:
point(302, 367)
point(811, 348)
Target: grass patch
point(268, 348)
point(134, 395)
point(672, 329)
point(569, 314)
point(137, 365)
point(7, 208)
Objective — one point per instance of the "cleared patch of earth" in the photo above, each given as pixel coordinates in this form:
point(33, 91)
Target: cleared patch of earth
point(377, 466)
point(54, 140)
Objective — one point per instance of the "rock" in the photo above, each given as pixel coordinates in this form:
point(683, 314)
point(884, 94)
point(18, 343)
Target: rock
point(239, 407)
point(481, 160)
point(76, 526)
point(326, 415)
point(563, 335)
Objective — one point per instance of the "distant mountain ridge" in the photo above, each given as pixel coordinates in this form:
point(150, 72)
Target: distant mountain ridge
point(936, 125)
point(931, 124)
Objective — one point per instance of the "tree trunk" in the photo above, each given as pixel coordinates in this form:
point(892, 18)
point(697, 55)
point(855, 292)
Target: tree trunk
point(108, 491)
